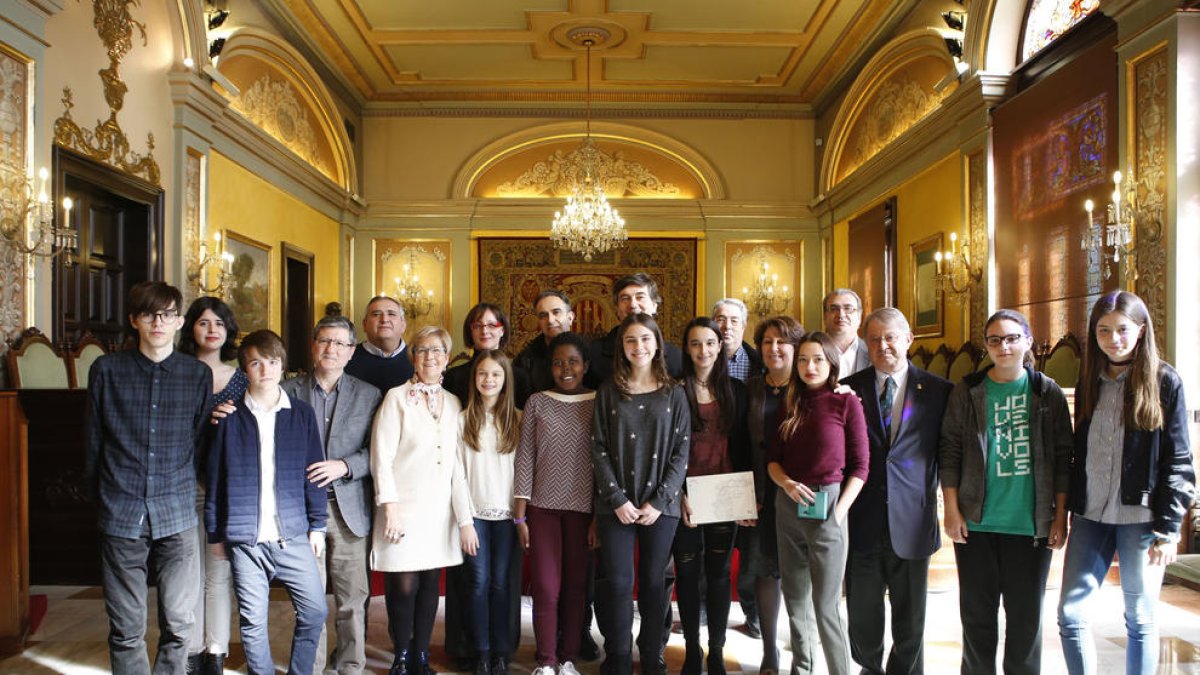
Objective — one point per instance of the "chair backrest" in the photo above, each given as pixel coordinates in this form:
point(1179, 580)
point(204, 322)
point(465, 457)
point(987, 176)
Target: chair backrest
point(34, 363)
point(963, 363)
point(87, 350)
point(920, 358)
point(940, 363)
point(983, 363)
point(1063, 363)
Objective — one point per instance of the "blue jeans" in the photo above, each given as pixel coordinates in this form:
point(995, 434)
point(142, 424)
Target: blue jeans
point(487, 579)
point(1089, 554)
point(255, 566)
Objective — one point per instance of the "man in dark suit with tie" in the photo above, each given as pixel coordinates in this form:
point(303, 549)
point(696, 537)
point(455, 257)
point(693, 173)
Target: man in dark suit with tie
point(893, 523)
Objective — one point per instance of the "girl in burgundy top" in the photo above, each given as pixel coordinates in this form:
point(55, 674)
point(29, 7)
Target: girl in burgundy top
point(821, 447)
point(718, 445)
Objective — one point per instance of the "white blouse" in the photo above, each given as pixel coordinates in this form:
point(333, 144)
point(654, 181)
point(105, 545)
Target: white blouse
point(489, 473)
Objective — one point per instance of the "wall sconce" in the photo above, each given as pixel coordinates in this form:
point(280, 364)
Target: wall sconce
point(27, 220)
point(1119, 227)
point(955, 274)
point(211, 274)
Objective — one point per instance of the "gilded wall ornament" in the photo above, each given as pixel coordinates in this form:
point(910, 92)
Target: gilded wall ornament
point(977, 231)
point(556, 175)
point(273, 106)
point(1150, 169)
point(107, 143)
point(898, 105)
point(15, 75)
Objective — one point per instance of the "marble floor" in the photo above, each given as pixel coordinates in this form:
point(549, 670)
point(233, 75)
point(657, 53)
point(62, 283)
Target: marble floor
point(71, 638)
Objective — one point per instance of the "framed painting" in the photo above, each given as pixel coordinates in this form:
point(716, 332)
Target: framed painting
point(928, 305)
point(249, 290)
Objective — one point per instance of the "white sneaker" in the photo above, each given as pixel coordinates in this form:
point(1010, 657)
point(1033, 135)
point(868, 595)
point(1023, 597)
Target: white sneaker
point(543, 670)
point(567, 668)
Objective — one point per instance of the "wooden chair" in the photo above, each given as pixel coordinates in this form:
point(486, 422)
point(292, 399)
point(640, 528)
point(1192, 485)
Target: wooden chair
point(1063, 362)
point(35, 363)
point(939, 364)
point(984, 362)
point(964, 362)
point(80, 360)
point(920, 357)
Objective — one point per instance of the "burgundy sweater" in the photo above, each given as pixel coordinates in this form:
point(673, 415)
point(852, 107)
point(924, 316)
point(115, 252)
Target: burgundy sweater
point(831, 444)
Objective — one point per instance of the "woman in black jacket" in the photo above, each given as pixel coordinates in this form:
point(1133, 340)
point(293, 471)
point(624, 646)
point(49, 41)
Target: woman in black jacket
point(1132, 480)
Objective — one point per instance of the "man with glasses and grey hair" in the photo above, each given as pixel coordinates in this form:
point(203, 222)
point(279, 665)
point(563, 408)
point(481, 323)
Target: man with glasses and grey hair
point(842, 315)
point(743, 360)
point(345, 407)
point(893, 524)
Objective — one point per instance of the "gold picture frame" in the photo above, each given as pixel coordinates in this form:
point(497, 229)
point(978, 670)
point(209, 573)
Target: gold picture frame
point(928, 310)
point(249, 289)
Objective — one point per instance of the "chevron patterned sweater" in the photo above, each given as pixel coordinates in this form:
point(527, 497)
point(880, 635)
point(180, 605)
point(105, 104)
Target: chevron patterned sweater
point(554, 459)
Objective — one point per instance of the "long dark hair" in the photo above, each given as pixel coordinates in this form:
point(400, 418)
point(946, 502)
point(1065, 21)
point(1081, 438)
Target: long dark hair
point(187, 335)
point(1142, 408)
point(718, 379)
point(476, 313)
point(796, 404)
point(622, 369)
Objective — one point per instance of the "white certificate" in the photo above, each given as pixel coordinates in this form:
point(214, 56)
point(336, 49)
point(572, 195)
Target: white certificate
point(722, 497)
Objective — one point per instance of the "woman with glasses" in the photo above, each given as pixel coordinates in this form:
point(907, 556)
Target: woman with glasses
point(486, 327)
point(424, 521)
point(210, 334)
point(1005, 452)
point(1132, 480)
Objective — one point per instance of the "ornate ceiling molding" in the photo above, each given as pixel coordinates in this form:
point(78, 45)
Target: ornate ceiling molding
point(557, 175)
point(272, 104)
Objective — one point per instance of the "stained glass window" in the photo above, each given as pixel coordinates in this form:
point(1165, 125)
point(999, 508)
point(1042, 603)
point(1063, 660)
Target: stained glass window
point(1048, 19)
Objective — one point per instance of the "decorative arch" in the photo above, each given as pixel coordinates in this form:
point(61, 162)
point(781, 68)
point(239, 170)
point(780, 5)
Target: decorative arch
point(993, 37)
point(280, 93)
point(189, 30)
point(898, 87)
point(651, 157)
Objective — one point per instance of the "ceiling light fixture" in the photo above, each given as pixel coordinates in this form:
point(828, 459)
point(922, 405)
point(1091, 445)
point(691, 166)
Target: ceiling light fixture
point(955, 47)
point(588, 224)
point(955, 19)
point(215, 47)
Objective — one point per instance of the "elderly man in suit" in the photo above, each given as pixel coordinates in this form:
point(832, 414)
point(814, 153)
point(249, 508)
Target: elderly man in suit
point(345, 407)
point(893, 523)
point(842, 316)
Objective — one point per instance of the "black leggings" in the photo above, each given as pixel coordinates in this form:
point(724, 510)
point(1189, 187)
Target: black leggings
point(412, 603)
point(704, 551)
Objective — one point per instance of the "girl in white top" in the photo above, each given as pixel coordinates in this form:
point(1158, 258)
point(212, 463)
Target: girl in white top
point(487, 441)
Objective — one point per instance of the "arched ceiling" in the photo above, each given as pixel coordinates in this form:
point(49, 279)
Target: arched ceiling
point(787, 53)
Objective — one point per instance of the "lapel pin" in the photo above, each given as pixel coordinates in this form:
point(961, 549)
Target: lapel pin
point(919, 387)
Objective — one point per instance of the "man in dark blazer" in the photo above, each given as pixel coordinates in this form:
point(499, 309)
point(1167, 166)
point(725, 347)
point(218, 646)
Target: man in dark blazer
point(345, 408)
point(842, 316)
point(634, 294)
point(893, 523)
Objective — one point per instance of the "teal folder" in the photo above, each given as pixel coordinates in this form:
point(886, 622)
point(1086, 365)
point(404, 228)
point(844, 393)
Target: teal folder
point(818, 510)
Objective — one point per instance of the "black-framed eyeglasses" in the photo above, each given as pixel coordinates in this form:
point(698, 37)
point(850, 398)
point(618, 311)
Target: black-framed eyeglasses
point(1010, 339)
point(165, 315)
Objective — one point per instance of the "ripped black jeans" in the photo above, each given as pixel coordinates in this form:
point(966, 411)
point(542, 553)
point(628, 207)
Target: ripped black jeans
point(704, 551)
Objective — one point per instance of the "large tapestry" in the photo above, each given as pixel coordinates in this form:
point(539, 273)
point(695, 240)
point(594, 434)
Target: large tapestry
point(512, 271)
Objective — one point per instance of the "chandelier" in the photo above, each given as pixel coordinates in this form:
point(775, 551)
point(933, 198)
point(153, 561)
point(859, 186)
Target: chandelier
point(1116, 230)
point(588, 224)
point(413, 297)
point(766, 297)
point(27, 220)
point(213, 270)
point(955, 273)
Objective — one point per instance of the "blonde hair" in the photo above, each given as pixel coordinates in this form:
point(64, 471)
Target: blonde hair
point(508, 426)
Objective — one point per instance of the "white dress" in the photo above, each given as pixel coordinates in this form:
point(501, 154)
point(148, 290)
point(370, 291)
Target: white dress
point(414, 460)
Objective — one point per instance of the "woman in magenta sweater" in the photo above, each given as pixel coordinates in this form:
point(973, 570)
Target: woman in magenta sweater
point(821, 448)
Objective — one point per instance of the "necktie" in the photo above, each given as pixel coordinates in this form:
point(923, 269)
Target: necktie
point(886, 399)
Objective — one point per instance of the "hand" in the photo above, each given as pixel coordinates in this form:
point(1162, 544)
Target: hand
point(469, 539)
point(523, 535)
point(593, 537)
point(217, 551)
point(393, 530)
point(955, 526)
point(627, 513)
point(1162, 554)
point(687, 513)
point(840, 512)
point(747, 523)
point(1058, 532)
point(324, 473)
point(222, 410)
point(317, 541)
point(649, 515)
point(843, 389)
point(798, 492)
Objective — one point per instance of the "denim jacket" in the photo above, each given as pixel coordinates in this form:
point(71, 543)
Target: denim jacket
point(963, 450)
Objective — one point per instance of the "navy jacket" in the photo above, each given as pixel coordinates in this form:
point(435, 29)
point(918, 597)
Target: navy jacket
point(1156, 466)
point(231, 504)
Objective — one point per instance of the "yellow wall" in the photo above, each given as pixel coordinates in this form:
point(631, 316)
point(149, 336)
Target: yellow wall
point(248, 205)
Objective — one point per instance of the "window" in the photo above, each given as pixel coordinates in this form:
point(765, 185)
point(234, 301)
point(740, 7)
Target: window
point(1048, 19)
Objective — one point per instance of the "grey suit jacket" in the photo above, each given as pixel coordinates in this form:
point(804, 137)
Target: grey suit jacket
point(862, 358)
point(350, 441)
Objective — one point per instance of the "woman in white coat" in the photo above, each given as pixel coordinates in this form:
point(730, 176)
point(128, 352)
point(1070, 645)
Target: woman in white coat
point(424, 517)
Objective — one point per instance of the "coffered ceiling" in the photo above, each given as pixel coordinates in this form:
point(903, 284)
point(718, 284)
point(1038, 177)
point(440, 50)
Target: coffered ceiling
point(788, 55)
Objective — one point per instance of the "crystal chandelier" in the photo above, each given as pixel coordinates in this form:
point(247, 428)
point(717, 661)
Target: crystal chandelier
point(413, 297)
point(766, 297)
point(588, 224)
point(1116, 230)
point(27, 220)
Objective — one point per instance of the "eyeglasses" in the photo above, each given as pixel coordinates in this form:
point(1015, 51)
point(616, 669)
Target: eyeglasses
point(432, 351)
point(890, 338)
point(844, 309)
point(336, 344)
point(479, 325)
point(1010, 339)
point(149, 318)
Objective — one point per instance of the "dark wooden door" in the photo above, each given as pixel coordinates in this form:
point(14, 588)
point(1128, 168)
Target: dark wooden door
point(119, 221)
point(297, 319)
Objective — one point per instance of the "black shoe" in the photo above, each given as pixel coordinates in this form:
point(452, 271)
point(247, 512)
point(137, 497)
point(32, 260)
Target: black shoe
point(751, 627)
point(399, 663)
point(418, 664)
point(693, 659)
point(214, 664)
point(483, 664)
point(588, 649)
point(194, 663)
point(716, 661)
point(499, 664)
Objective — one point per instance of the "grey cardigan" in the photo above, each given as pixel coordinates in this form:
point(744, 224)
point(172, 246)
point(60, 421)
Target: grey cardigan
point(963, 450)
